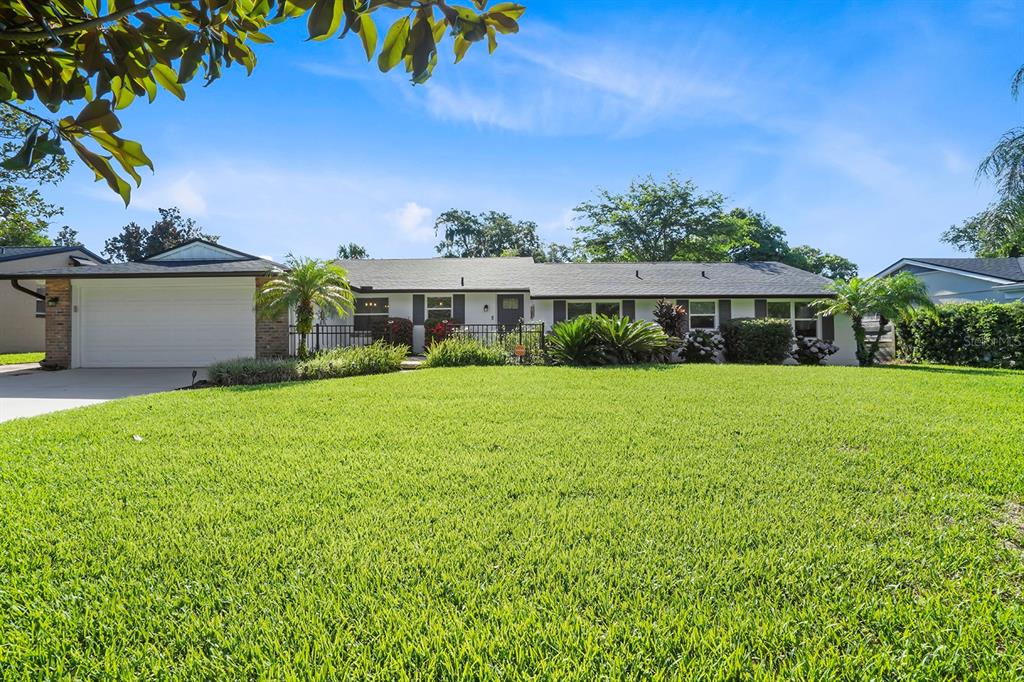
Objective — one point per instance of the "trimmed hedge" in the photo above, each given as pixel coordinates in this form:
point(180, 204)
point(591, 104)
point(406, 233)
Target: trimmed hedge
point(377, 358)
point(762, 341)
point(251, 371)
point(973, 334)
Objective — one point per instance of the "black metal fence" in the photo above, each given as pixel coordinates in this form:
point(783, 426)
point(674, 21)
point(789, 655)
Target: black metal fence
point(524, 342)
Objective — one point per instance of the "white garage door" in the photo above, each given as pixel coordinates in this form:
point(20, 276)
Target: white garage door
point(168, 322)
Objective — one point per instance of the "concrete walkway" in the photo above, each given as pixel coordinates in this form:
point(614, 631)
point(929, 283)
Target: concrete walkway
point(30, 391)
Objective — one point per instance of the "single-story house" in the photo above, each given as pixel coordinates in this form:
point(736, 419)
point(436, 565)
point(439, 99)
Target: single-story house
point(962, 280)
point(193, 305)
point(188, 306)
point(506, 290)
point(22, 315)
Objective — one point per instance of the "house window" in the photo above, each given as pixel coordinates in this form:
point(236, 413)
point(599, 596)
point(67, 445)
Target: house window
point(439, 307)
point(805, 322)
point(703, 314)
point(577, 308)
point(368, 310)
point(779, 310)
point(41, 303)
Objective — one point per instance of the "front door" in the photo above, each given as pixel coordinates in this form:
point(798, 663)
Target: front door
point(510, 309)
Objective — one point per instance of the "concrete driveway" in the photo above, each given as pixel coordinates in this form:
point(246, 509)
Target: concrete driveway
point(27, 391)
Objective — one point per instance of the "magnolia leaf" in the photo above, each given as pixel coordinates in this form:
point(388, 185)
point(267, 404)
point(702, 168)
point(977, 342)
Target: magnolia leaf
point(461, 46)
point(123, 95)
point(503, 23)
point(492, 40)
point(96, 115)
point(438, 28)
point(103, 170)
point(394, 45)
point(324, 19)
point(510, 9)
point(166, 77)
point(367, 31)
point(22, 159)
point(257, 37)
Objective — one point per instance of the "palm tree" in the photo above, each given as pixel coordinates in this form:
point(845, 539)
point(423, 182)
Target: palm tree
point(307, 284)
point(891, 298)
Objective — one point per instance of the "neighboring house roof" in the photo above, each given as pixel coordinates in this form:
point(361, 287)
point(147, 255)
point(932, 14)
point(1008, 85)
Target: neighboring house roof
point(9, 253)
point(590, 280)
point(199, 250)
point(999, 270)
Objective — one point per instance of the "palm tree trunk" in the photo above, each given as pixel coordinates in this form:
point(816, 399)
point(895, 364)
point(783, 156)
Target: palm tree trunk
point(860, 336)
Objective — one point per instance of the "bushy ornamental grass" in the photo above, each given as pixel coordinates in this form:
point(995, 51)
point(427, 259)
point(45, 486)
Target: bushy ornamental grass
point(669, 522)
point(377, 358)
point(462, 351)
point(20, 358)
point(765, 340)
point(977, 334)
point(251, 371)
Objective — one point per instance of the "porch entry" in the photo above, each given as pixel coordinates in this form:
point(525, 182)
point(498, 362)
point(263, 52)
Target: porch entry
point(510, 309)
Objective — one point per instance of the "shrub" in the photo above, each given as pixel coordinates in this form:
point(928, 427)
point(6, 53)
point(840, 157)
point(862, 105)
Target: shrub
point(701, 345)
point(436, 329)
point(670, 317)
point(574, 342)
point(629, 341)
point(461, 351)
point(250, 371)
point(974, 334)
point(764, 341)
point(811, 351)
point(394, 330)
point(377, 358)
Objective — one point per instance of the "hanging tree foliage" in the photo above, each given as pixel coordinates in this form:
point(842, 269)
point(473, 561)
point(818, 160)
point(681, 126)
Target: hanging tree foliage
point(109, 53)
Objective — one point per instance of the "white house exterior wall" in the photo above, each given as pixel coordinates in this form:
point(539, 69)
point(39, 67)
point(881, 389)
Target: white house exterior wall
point(948, 287)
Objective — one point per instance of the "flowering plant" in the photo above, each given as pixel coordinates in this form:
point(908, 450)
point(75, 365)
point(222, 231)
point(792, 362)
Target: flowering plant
point(438, 330)
point(808, 350)
point(701, 345)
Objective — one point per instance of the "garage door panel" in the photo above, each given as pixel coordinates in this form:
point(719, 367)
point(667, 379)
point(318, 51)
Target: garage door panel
point(184, 323)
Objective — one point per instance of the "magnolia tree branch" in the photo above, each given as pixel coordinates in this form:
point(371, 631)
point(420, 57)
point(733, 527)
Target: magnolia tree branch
point(33, 36)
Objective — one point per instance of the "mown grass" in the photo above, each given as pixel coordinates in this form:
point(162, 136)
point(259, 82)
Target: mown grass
point(20, 358)
point(695, 521)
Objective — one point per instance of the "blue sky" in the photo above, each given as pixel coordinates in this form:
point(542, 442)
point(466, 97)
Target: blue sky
point(857, 127)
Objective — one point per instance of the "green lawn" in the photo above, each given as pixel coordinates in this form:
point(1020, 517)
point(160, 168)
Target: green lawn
point(717, 521)
point(19, 358)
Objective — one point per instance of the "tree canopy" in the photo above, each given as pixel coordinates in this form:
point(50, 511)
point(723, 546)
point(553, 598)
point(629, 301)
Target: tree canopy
point(997, 231)
point(24, 214)
point(352, 251)
point(468, 235)
point(134, 243)
point(110, 53)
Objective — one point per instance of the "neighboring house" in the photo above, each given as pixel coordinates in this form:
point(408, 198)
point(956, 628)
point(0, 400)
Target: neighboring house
point(185, 307)
point(506, 290)
point(962, 280)
point(22, 312)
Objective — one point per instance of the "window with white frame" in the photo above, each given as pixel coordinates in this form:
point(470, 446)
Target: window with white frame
point(805, 322)
point(439, 307)
point(703, 314)
point(577, 308)
point(369, 309)
point(800, 314)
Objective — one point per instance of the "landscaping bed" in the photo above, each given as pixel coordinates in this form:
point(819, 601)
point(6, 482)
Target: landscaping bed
point(701, 520)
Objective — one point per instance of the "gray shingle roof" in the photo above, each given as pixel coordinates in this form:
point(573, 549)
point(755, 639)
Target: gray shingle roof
point(232, 268)
point(8, 253)
point(673, 279)
point(569, 280)
point(440, 274)
point(1003, 268)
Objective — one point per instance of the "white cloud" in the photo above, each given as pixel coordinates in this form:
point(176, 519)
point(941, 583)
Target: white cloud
point(414, 222)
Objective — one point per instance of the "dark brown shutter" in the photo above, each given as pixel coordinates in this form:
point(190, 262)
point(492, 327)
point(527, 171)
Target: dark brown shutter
point(828, 328)
point(685, 302)
point(724, 310)
point(459, 308)
point(629, 309)
point(419, 309)
point(760, 307)
point(559, 307)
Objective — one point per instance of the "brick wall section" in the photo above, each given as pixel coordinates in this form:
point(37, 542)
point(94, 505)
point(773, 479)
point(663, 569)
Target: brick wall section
point(58, 325)
point(271, 335)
